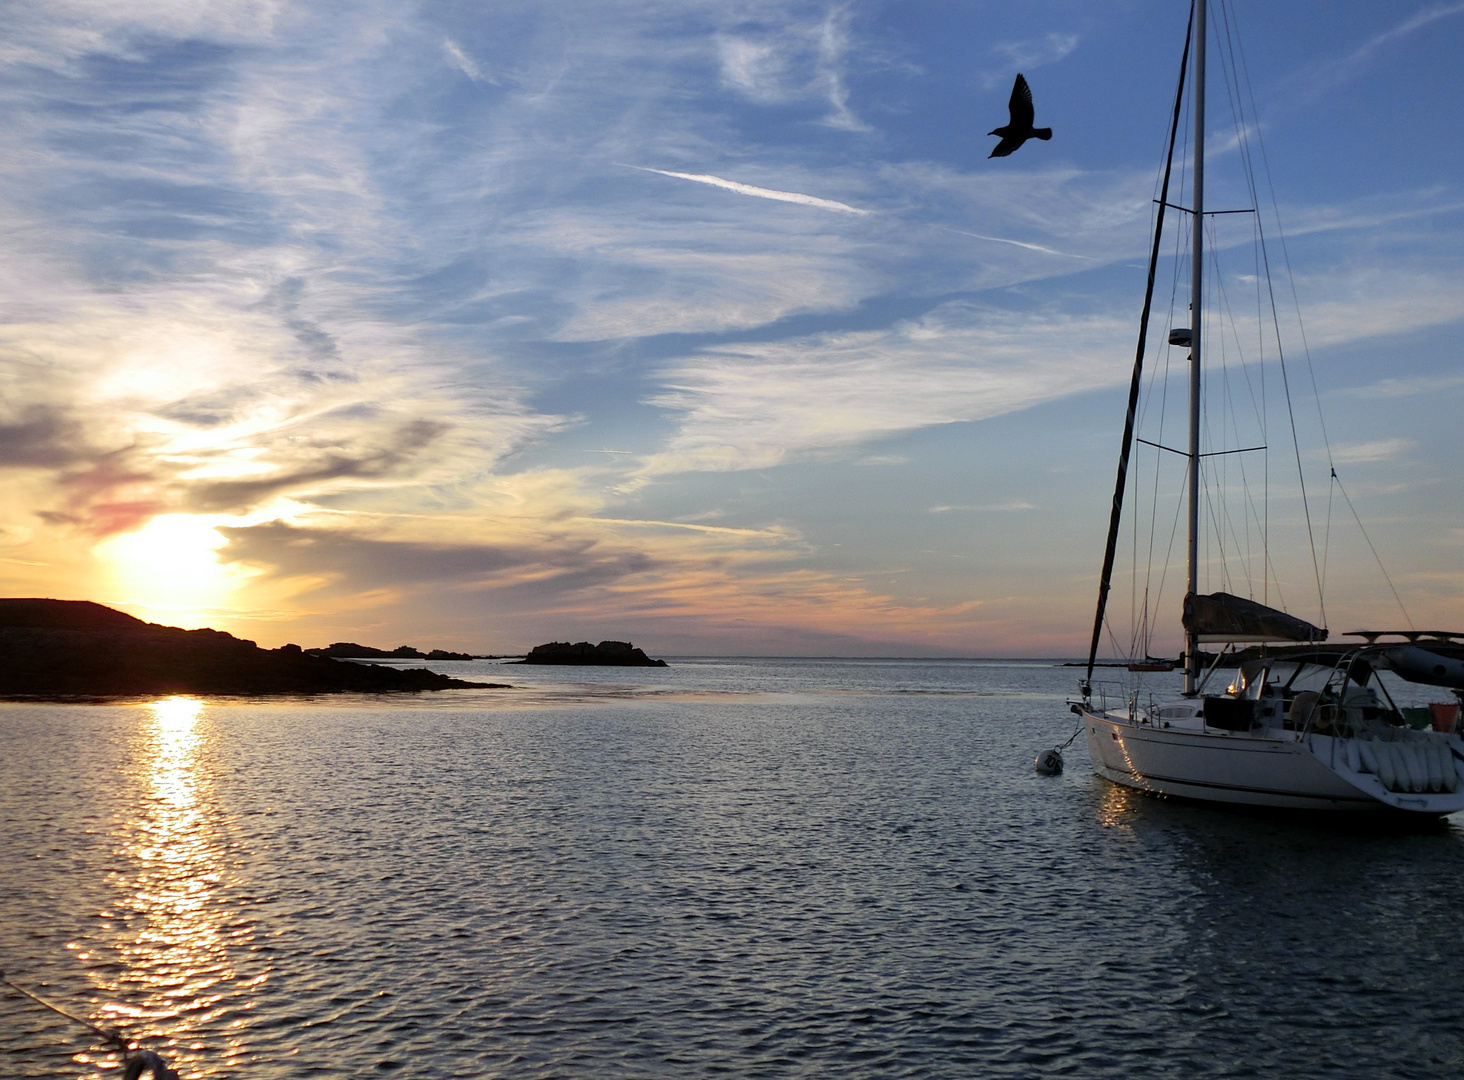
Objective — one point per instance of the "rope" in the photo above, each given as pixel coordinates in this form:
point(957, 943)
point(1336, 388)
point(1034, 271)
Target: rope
point(135, 1061)
point(107, 1034)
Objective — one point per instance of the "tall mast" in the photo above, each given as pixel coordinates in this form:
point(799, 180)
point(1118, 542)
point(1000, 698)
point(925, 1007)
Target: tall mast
point(1192, 641)
point(1105, 579)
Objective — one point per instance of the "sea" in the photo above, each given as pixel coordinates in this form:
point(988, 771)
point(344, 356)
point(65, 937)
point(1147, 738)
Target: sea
point(726, 867)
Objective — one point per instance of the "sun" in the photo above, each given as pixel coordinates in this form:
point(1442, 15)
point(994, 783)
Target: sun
point(170, 569)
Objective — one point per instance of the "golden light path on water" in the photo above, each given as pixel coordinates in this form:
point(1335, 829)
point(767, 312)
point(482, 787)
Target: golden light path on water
point(168, 939)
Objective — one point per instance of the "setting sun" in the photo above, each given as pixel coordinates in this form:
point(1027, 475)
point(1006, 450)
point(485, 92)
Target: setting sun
point(170, 569)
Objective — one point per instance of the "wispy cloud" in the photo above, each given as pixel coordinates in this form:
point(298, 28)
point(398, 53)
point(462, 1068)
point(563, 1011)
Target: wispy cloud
point(793, 58)
point(1352, 306)
point(1410, 387)
point(754, 406)
point(833, 43)
point(1036, 52)
point(1327, 76)
point(465, 63)
point(758, 192)
point(1413, 23)
point(988, 508)
point(1375, 450)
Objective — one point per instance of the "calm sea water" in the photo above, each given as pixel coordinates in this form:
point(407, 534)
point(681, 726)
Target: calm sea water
point(727, 867)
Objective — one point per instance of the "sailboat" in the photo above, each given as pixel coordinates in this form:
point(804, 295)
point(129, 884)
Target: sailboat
point(1294, 722)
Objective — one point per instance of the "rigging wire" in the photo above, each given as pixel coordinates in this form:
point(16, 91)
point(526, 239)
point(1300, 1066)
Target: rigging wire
point(1244, 554)
point(1316, 394)
point(1159, 377)
point(1338, 481)
point(1233, 532)
point(1240, 69)
point(1327, 535)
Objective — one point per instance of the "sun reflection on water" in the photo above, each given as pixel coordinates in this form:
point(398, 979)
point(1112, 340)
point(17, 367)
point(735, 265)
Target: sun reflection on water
point(170, 939)
point(1116, 806)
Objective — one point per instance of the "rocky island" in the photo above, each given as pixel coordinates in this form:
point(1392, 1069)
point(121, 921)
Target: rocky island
point(349, 650)
point(605, 654)
point(76, 648)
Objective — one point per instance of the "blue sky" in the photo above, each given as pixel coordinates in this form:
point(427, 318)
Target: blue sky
point(708, 325)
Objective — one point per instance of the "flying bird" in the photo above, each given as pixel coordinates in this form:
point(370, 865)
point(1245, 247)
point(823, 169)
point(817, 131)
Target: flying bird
point(1019, 129)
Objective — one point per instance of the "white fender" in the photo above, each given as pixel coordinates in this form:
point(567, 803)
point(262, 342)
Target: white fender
point(1387, 765)
point(1446, 767)
point(1427, 764)
point(1398, 780)
point(1430, 762)
point(1369, 757)
point(1459, 769)
point(1400, 767)
point(1354, 756)
point(1417, 770)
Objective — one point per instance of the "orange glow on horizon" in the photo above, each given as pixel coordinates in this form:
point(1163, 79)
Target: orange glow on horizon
point(170, 570)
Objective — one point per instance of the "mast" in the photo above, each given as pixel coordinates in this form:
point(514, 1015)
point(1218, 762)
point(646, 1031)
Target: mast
point(1191, 637)
point(1105, 579)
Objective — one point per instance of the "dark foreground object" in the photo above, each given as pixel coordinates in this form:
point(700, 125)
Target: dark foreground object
point(67, 648)
point(605, 654)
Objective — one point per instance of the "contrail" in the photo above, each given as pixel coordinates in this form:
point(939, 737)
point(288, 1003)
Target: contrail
point(1018, 243)
point(830, 204)
point(758, 192)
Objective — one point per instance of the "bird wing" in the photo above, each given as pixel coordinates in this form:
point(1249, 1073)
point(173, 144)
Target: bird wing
point(1020, 105)
point(1006, 146)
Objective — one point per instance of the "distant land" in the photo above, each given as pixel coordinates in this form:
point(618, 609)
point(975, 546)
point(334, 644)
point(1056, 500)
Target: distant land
point(349, 650)
point(77, 648)
point(605, 654)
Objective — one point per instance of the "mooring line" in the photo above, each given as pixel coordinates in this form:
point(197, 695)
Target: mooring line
point(135, 1060)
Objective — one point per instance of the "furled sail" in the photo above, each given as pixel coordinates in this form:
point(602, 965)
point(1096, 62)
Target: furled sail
point(1223, 617)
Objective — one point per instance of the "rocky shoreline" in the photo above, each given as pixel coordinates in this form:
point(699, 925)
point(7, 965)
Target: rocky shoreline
point(76, 648)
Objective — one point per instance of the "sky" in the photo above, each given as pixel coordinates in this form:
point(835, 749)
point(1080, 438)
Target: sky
point(704, 324)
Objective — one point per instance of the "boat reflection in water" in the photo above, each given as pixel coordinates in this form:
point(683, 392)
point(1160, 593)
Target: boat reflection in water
point(168, 938)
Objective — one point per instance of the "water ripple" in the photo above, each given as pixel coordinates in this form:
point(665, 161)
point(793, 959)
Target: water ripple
point(763, 870)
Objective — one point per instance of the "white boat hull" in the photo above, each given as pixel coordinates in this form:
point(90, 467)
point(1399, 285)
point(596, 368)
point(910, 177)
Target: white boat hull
point(1278, 769)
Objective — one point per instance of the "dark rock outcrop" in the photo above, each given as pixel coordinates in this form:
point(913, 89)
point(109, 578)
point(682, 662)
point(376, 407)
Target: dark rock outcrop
point(65, 648)
point(65, 615)
point(349, 650)
point(605, 654)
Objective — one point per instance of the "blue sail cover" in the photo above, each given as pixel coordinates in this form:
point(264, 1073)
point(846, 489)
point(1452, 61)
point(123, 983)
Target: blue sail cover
point(1223, 617)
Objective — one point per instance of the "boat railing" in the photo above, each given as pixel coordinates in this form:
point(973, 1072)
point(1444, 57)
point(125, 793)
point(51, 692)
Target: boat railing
point(1103, 696)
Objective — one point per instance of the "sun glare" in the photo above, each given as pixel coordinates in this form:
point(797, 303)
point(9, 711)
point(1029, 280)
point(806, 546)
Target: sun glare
point(176, 714)
point(170, 568)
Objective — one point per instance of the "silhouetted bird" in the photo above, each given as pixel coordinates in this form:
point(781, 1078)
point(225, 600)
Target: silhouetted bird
point(1020, 128)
